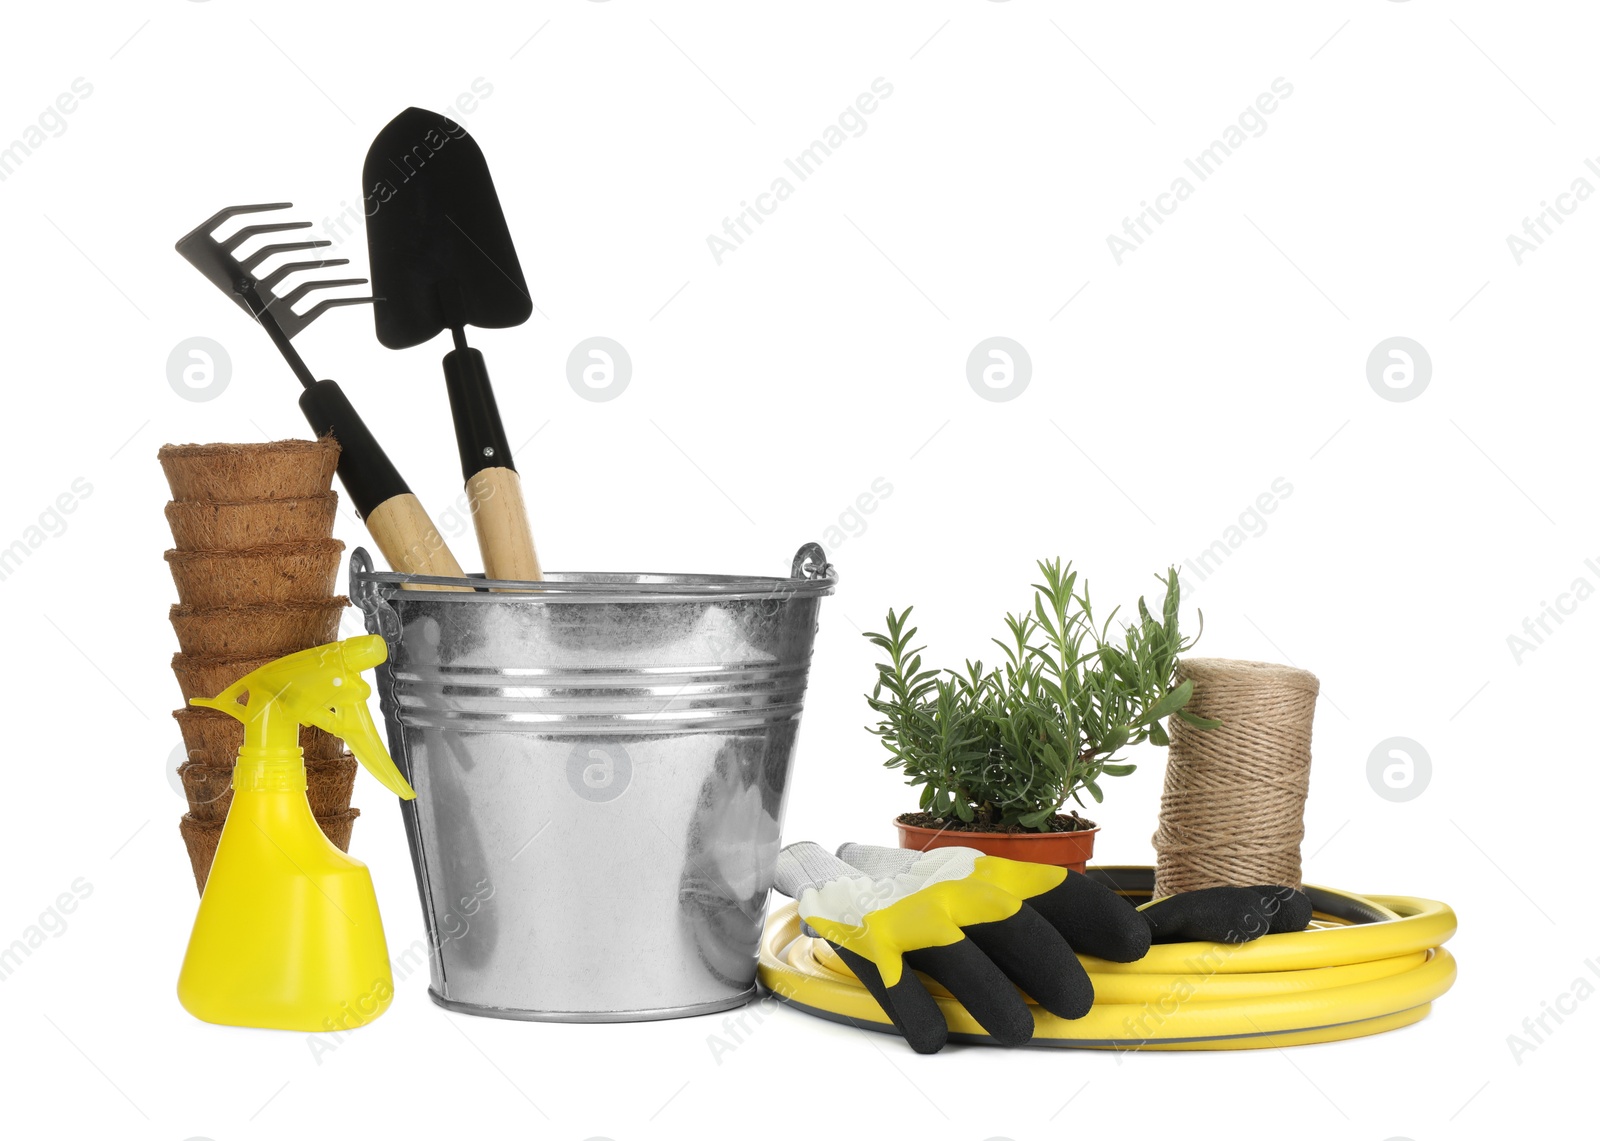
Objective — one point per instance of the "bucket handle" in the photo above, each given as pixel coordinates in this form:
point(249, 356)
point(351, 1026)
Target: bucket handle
point(379, 615)
point(811, 564)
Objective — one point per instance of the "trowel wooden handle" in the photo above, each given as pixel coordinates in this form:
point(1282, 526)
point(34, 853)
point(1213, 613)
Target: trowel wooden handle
point(493, 487)
point(501, 517)
point(409, 540)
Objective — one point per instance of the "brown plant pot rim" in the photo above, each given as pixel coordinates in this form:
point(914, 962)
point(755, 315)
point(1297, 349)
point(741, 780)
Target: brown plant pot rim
point(254, 611)
point(199, 525)
point(264, 630)
point(1070, 850)
point(284, 469)
point(278, 572)
point(308, 549)
point(201, 675)
point(209, 788)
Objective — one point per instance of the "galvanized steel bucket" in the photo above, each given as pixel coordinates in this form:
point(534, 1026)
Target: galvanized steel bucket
point(600, 763)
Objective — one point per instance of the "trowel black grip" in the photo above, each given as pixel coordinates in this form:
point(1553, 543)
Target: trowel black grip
point(480, 437)
point(369, 478)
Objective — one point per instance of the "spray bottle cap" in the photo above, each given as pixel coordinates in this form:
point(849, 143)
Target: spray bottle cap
point(323, 687)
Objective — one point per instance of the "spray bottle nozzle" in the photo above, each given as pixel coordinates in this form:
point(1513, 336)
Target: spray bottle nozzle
point(322, 687)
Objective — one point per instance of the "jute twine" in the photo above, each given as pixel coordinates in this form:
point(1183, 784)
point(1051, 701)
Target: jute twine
point(1233, 806)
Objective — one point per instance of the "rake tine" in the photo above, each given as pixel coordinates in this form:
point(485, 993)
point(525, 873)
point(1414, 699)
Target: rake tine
point(266, 252)
point(249, 232)
point(296, 296)
point(236, 276)
point(272, 280)
point(322, 307)
point(227, 212)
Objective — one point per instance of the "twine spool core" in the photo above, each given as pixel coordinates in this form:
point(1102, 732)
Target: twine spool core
point(1233, 804)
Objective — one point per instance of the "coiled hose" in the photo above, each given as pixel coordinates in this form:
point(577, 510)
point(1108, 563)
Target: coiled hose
point(1367, 964)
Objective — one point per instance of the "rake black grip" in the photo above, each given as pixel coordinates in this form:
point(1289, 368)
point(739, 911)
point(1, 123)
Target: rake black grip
point(369, 478)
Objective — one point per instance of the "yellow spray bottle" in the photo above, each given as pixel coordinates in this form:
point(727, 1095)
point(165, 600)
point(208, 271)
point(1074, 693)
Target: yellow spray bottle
point(288, 935)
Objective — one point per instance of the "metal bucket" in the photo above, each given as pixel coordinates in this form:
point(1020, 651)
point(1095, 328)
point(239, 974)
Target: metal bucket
point(600, 763)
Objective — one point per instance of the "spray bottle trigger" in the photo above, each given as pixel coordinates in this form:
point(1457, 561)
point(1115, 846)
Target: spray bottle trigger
point(353, 724)
point(348, 718)
point(321, 686)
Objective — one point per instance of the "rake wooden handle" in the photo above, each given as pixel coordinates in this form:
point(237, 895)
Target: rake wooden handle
point(410, 542)
point(407, 537)
point(501, 517)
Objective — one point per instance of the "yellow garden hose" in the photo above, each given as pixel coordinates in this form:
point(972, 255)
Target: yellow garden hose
point(1366, 965)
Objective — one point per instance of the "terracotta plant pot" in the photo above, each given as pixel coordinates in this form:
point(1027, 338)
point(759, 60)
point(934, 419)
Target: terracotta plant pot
point(267, 632)
point(288, 572)
point(202, 526)
point(228, 473)
point(1070, 850)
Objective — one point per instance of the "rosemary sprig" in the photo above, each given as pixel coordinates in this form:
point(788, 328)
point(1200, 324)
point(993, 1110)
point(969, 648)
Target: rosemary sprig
point(1010, 744)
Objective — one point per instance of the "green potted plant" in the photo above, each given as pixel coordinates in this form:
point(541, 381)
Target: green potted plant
point(999, 752)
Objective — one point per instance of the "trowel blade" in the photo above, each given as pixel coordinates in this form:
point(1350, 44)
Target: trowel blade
point(441, 255)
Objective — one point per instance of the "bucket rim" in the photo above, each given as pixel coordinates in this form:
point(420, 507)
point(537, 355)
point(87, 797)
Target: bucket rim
point(813, 577)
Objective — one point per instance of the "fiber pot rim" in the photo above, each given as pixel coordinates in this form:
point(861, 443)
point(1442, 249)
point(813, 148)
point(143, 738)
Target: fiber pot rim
point(298, 549)
point(265, 447)
point(182, 506)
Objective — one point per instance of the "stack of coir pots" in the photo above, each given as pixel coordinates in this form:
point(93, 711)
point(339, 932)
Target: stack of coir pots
point(255, 565)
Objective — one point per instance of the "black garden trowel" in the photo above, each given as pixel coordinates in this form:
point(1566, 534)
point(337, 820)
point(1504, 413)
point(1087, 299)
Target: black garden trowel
point(441, 258)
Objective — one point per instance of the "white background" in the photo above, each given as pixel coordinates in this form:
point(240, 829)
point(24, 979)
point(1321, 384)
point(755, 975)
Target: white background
point(771, 390)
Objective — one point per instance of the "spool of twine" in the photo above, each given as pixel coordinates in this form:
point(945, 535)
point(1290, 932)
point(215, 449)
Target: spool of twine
point(1233, 806)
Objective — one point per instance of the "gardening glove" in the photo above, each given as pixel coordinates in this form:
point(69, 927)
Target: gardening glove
point(1227, 914)
point(964, 919)
point(1092, 918)
point(1212, 915)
